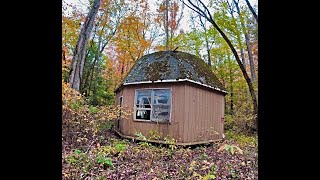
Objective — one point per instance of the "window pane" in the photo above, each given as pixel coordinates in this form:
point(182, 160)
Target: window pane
point(143, 98)
point(162, 96)
point(161, 112)
point(158, 109)
point(143, 114)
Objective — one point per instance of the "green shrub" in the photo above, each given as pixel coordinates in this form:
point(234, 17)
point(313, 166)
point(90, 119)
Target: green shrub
point(119, 146)
point(104, 161)
point(240, 123)
point(78, 159)
point(93, 109)
point(171, 142)
point(154, 134)
point(230, 149)
point(241, 139)
point(105, 126)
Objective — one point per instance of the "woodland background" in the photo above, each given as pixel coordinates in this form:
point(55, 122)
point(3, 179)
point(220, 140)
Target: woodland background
point(102, 39)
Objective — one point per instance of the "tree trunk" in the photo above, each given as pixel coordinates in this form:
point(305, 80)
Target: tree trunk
point(122, 69)
point(207, 42)
point(247, 93)
point(91, 77)
point(80, 50)
point(231, 86)
point(252, 10)
point(239, 41)
point(64, 56)
point(128, 65)
point(252, 70)
point(167, 25)
point(84, 81)
point(94, 92)
point(243, 70)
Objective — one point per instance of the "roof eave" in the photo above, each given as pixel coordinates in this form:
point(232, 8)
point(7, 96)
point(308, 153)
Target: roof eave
point(173, 80)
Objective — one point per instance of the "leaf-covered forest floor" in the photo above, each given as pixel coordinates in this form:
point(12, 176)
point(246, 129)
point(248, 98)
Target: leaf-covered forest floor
point(112, 157)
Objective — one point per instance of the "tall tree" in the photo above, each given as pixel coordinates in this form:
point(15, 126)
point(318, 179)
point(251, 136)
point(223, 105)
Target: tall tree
point(130, 43)
point(203, 11)
point(236, 30)
point(203, 24)
point(70, 33)
point(252, 10)
point(167, 24)
point(80, 50)
point(175, 14)
point(108, 19)
point(229, 73)
point(249, 50)
point(239, 35)
point(231, 84)
point(191, 42)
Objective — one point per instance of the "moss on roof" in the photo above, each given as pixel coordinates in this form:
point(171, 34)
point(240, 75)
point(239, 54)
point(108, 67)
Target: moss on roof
point(163, 65)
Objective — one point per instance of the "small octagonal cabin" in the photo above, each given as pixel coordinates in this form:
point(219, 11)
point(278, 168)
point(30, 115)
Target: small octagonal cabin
point(174, 94)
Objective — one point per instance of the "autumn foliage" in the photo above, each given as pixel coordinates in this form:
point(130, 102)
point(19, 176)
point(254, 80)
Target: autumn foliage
point(124, 31)
point(81, 122)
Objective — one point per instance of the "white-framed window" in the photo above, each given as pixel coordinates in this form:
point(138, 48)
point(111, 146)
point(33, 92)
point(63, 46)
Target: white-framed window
point(152, 105)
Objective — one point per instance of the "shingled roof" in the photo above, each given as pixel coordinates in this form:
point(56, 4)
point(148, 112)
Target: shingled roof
point(172, 66)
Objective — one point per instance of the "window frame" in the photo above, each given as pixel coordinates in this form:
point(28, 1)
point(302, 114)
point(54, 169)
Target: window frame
point(151, 120)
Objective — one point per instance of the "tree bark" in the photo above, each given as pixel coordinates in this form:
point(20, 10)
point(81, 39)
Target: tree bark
point(64, 56)
point(167, 25)
point(247, 93)
point(237, 35)
point(92, 73)
point(80, 50)
point(207, 42)
point(246, 77)
point(84, 81)
point(231, 86)
point(252, 69)
point(94, 92)
point(252, 11)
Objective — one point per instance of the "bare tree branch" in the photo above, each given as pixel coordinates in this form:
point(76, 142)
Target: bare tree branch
point(243, 70)
point(252, 10)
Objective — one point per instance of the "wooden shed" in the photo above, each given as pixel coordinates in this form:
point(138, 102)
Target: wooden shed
point(174, 94)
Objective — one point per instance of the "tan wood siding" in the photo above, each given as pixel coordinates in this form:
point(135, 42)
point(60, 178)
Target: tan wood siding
point(130, 127)
point(204, 113)
point(195, 113)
